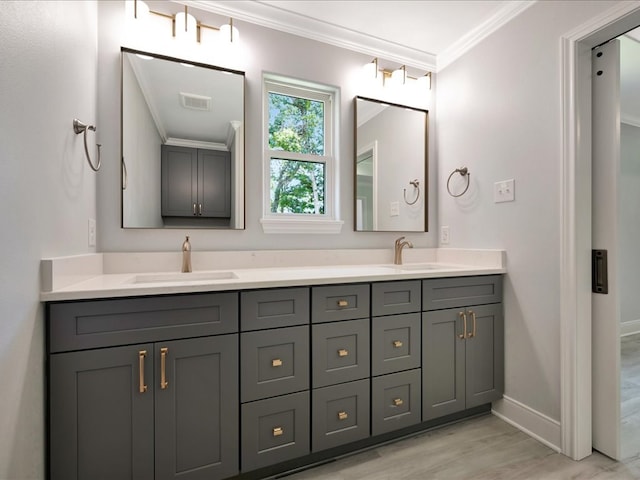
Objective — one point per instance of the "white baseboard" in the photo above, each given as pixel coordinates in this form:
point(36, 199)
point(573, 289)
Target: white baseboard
point(629, 328)
point(535, 424)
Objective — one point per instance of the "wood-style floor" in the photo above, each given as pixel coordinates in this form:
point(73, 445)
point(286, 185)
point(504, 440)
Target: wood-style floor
point(481, 448)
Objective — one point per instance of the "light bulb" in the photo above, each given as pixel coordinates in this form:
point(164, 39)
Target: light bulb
point(229, 33)
point(370, 70)
point(186, 26)
point(424, 82)
point(398, 76)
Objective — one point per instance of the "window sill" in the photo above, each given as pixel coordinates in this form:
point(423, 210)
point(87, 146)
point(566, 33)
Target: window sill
point(299, 225)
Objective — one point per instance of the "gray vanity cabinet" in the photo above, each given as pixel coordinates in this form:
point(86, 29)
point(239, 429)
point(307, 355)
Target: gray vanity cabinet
point(275, 379)
point(164, 409)
point(195, 182)
point(396, 356)
point(463, 347)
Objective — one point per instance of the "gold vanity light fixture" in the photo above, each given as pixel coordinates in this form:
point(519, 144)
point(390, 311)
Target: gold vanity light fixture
point(395, 77)
point(185, 25)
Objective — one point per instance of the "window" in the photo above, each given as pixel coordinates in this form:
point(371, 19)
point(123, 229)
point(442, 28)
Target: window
point(300, 163)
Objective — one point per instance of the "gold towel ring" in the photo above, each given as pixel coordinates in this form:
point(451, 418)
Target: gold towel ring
point(464, 171)
point(78, 128)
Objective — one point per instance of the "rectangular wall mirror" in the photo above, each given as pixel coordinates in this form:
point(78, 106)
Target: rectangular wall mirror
point(182, 144)
point(391, 167)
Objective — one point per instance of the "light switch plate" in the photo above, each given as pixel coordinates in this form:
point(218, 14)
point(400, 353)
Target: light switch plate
point(444, 235)
point(394, 209)
point(92, 232)
point(504, 191)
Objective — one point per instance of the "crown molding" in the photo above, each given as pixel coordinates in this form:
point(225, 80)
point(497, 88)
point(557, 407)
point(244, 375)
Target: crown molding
point(503, 16)
point(276, 18)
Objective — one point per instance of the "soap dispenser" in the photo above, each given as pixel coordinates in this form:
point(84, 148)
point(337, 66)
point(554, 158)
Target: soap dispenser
point(186, 255)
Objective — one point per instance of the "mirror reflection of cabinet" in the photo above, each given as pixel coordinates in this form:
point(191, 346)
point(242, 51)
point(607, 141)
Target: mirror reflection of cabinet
point(391, 167)
point(196, 183)
point(168, 101)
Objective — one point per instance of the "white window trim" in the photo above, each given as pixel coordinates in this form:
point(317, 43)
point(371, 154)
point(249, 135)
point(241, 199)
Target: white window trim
point(329, 222)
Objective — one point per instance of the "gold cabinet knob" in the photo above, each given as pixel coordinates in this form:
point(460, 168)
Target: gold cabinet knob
point(277, 431)
point(343, 352)
point(276, 362)
point(397, 402)
point(342, 415)
point(343, 303)
point(397, 344)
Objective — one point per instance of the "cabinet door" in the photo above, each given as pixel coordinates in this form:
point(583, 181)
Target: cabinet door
point(443, 363)
point(484, 355)
point(101, 424)
point(214, 183)
point(179, 181)
point(196, 429)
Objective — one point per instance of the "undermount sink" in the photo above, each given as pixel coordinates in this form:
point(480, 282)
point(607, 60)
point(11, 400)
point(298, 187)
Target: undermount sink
point(182, 277)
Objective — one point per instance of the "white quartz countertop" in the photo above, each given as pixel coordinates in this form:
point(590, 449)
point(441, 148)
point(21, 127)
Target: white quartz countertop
point(103, 276)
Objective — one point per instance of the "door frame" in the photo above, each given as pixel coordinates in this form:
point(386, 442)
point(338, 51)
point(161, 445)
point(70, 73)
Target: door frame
point(575, 248)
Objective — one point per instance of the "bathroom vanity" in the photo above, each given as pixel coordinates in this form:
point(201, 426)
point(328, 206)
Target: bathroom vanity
point(232, 381)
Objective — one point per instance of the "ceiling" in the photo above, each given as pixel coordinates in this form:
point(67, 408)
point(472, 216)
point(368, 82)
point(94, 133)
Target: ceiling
point(425, 34)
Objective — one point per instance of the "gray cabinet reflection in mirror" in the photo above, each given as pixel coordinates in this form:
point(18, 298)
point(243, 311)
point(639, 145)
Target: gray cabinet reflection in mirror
point(172, 102)
point(391, 145)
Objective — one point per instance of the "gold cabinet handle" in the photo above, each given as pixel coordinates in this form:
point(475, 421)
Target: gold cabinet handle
point(343, 352)
point(163, 368)
point(342, 415)
point(276, 362)
point(463, 316)
point(194, 209)
point(277, 431)
point(473, 317)
point(397, 344)
point(141, 355)
point(397, 402)
point(343, 303)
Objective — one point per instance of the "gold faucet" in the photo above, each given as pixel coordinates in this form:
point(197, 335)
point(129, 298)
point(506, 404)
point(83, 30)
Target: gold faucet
point(186, 255)
point(399, 245)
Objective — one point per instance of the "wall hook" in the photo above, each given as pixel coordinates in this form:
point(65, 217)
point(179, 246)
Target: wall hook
point(78, 128)
point(416, 185)
point(464, 171)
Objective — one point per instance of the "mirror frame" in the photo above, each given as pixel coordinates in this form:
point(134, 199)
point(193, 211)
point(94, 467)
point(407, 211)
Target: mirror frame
point(425, 192)
point(123, 167)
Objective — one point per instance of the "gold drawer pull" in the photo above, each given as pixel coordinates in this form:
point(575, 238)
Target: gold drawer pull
point(276, 362)
point(163, 368)
point(463, 316)
point(473, 317)
point(342, 415)
point(277, 431)
point(397, 344)
point(343, 303)
point(343, 352)
point(141, 355)
point(397, 402)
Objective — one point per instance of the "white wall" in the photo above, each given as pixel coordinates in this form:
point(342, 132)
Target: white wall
point(629, 201)
point(499, 113)
point(263, 50)
point(142, 197)
point(47, 193)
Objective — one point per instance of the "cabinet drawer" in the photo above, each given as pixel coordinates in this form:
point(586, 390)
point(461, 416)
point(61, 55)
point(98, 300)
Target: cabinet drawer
point(395, 343)
point(275, 430)
point(340, 352)
point(441, 293)
point(281, 307)
point(340, 414)
point(340, 302)
point(395, 401)
point(274, 362)
point(105, 323)
point(391, 298)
